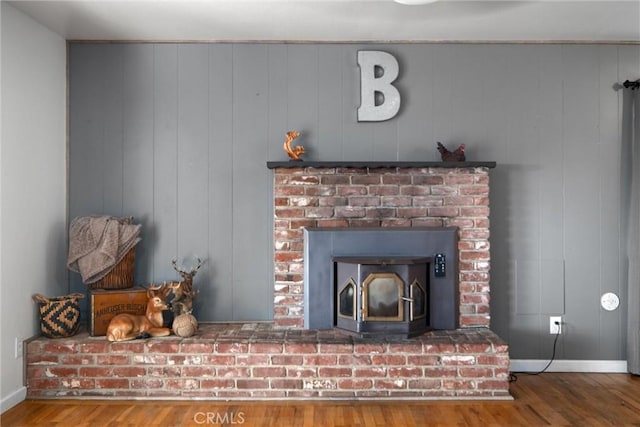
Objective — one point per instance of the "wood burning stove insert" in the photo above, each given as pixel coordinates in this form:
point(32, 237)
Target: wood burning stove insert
point(386, 296)
point(381, 282)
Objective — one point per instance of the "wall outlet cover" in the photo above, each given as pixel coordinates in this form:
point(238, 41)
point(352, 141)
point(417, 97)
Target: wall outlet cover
point(555, 325)
point(18, 348)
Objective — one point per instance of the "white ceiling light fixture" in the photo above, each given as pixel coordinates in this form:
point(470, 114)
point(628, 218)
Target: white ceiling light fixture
point(415, 2)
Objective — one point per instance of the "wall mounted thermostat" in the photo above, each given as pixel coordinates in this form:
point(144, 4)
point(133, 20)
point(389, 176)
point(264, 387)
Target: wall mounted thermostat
point(609, 301)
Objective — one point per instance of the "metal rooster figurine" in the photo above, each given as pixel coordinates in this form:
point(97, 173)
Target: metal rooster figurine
point(451, 156)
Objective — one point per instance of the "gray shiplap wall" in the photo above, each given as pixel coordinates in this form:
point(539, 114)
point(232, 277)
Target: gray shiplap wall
point(178, 135)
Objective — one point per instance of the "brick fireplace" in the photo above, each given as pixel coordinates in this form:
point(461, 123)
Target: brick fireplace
point(381, 195)
point(283, 359)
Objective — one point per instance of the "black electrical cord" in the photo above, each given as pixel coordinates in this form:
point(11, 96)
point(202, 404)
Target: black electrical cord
point(553, 356)
point(513, 377)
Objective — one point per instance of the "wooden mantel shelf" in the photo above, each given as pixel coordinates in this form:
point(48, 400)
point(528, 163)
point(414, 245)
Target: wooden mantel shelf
point(376, 164)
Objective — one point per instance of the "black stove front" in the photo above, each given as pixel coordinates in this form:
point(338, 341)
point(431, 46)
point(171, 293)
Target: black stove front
point(382, 296)
point(377, 282)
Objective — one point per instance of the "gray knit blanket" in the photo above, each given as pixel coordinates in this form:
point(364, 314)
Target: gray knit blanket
point(98, 243)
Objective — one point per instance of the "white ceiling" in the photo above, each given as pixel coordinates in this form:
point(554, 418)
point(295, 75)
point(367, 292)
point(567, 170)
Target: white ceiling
point(338, 20)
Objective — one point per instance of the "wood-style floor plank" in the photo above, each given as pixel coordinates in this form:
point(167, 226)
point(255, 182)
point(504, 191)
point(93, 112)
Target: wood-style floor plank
point(550, 399)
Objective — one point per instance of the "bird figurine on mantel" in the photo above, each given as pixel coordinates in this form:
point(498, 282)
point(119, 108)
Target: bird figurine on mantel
point(451, 156)
point(294, 153)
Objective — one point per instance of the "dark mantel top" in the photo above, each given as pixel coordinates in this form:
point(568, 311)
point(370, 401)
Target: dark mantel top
point(378, 164)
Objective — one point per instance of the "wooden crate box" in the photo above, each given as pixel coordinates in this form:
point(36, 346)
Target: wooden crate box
point(106, 303)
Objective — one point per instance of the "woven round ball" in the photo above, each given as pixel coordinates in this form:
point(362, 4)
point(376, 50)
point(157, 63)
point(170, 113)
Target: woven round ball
point(185, 325)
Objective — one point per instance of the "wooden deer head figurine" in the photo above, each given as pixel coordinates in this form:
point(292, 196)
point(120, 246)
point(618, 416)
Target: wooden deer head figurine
point(183, 293)
point(124, 327)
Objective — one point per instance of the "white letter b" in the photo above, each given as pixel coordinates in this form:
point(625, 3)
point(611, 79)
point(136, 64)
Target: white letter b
point(379, 99)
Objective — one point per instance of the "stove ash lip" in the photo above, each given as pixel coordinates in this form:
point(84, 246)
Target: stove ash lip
point(323, 245)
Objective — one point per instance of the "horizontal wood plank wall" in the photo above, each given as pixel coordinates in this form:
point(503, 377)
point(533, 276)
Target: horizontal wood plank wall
point(178, 136)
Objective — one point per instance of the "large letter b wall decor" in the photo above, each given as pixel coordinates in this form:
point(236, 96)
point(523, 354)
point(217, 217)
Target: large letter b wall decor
point(379, 99)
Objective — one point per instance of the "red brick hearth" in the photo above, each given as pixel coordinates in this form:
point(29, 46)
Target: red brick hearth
point(258, 361)
point(282, 359)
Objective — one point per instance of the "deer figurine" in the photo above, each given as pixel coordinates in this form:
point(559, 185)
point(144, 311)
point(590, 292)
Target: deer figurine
point(183, 293)
point(124, 327)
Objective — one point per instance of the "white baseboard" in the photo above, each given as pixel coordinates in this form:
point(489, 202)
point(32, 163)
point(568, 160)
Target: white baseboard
point(13, 399)
point(594, 366)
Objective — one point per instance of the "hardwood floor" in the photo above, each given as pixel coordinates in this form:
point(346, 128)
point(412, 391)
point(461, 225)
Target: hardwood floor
point(550, 399)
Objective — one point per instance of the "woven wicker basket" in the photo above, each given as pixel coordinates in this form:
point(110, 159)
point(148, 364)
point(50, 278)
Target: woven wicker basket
point(60, 316)
point(121, 277)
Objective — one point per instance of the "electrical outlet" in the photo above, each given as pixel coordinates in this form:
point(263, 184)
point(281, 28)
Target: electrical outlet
point(555, 325)
point(19, 347)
